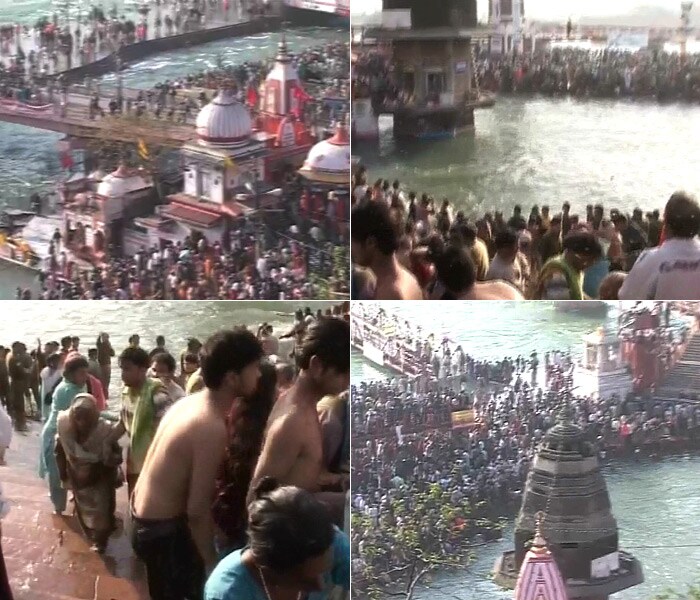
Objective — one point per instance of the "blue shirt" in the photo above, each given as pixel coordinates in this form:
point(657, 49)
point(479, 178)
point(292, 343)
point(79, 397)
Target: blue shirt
point(231, 579)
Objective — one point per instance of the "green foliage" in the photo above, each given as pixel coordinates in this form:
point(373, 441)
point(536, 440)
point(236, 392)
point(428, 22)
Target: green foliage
point(396, 557)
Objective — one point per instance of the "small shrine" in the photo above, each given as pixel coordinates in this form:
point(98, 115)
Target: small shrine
point(224, 179)
point(326, 180)
point(279, 122)
point(603, 370)
point(94, 216)
point(539, 577)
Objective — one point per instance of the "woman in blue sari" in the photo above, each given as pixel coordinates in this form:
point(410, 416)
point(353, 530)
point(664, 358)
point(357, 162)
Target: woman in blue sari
point(75, 376)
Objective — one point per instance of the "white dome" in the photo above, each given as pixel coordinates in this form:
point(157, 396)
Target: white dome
point(120, 183)
point(330, 158)
point(224, 122)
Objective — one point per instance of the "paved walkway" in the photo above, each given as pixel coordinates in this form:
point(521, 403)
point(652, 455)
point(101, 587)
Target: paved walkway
point(47, 557)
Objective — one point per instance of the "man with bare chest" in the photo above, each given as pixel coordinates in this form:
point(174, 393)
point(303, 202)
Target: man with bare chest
point(173, 530)
point(293, 448)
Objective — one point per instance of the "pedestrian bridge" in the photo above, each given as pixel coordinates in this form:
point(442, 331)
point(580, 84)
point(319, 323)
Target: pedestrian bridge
point(71, 116)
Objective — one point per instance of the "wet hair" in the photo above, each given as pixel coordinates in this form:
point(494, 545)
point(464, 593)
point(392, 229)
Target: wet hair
point(246, 421)
point(682, 215)
point(328, 339)
point(167, 359)
point(194, 344)
point(160, 340)
point(583, 242)
point(506, 239)
point(192, 357)
point(286, 526)
point(226, 351)
point(372, 219)
point(455, 269)
point(285, 372)
point(135, 356)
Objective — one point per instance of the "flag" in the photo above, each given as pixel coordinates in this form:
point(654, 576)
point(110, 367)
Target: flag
point(229, 164)
point(143, 151)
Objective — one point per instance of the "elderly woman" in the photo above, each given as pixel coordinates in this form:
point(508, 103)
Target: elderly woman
point(75, 376)
point(88, 456)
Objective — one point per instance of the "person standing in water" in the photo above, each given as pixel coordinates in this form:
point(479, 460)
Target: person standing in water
point(173, 528)
point(105, 352)
point(293, 449)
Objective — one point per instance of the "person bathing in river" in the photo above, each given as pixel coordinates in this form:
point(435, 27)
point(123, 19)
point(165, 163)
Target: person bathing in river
point(561, 277)
point(171, 505)
point(456, 278)
point(293, 449)
point(375, 242)
point(87, 457)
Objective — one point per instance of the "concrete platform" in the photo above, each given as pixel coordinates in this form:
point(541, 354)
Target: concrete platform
point(46, 555)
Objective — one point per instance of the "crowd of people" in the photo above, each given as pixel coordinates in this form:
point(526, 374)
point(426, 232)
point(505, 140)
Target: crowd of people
point(411, 246)
point(282, 269)
point(582, 73)
point(605, 73)
point(405, 444)
point(236, 458)
point(54, 44)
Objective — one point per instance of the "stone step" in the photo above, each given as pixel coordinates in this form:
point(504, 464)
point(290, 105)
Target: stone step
point(46, 555)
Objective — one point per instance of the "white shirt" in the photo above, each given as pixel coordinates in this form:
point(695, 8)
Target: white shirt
point(668, 272)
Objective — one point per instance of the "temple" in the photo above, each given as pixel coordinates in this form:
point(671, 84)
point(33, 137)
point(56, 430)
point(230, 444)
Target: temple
point(566, 486)
point(539, 577)
point(241, 150)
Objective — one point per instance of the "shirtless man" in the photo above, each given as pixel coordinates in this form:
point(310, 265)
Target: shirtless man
point(456, 279)
point(293, 449)
point(173, 530)
point(375, 240)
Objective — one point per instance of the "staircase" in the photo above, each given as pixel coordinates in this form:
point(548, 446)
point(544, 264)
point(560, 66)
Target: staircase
point(685, 375)
point(46, 555)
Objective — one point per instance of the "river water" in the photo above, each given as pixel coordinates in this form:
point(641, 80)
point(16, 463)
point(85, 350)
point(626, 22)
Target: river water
point(544, 151)
point(176, 321)
point(657, 504)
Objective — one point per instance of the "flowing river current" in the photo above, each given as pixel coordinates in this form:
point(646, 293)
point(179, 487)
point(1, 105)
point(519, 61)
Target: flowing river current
point(534, 150)
point(176, 321)
point(657, 504)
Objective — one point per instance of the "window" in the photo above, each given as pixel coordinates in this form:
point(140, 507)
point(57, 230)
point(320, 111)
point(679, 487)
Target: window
point(435, 83)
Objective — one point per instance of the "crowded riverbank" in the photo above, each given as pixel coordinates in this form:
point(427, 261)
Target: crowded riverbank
point(468, 446)
point(153, 371)
point(422, 247)
point(579, 73)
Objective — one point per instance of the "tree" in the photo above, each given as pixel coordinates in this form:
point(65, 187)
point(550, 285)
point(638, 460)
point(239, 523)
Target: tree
point(421, 532)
